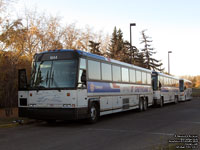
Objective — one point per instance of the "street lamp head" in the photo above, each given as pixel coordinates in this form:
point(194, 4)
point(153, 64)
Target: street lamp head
point(169, 51)
point(132, 24)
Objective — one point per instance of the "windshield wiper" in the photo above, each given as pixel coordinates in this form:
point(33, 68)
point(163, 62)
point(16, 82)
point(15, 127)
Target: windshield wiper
point(52, 80)
point(47, 77)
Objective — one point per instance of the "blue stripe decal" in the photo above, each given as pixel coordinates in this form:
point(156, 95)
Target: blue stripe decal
point(169, 90)
point(104, 87)
point(101, 87)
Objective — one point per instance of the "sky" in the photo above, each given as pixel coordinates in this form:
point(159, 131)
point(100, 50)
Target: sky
point(174, 25)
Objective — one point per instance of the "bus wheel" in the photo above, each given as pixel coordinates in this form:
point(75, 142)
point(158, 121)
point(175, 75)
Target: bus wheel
point(161, 102)
point(145, 105)
point(141, 104)
point(93, 113)
point(176, 99)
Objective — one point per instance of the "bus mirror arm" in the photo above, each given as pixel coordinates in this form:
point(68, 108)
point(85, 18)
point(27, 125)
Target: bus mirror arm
point(83, 79)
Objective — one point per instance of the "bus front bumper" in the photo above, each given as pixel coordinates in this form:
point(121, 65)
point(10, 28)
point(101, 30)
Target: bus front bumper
point(54, 113)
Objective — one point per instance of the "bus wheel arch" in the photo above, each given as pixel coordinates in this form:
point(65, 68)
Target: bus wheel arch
point(141, 104)
point(145, 103)
point(93, 110)
point(176, 99)
point(161, 101)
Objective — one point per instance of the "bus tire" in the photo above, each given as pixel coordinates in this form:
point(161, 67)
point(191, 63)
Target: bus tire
point(161, 102)
point(141, 104)
point(93, 113)
point(176, 100)
point(145, 104)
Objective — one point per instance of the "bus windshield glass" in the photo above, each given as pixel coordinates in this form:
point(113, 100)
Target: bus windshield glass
point(181, 85)
point(154, 82)
point(54, 74)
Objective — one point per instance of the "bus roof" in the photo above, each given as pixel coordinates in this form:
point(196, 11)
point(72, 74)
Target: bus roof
point(166, 75)
point(185, 80)
point(98, 57)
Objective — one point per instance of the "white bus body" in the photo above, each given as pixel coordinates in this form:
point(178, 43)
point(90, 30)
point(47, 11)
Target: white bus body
point(72, 84)
point(165, 88)
point(185, 87)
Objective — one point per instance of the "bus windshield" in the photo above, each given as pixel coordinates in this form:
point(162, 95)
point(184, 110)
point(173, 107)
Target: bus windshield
point(154, 82)
point(54, 74)
point(181, 85)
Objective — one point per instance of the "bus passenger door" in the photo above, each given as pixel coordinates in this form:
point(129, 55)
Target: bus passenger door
point(82, 89)
point(82, 98)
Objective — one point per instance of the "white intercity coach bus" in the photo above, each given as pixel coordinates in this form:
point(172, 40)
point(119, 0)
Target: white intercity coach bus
point(165, 88)
point(72, 84)
point(185, 87)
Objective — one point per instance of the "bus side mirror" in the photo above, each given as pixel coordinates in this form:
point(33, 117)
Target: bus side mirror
point(160, 85)
point(22, 80)
point(83, 77)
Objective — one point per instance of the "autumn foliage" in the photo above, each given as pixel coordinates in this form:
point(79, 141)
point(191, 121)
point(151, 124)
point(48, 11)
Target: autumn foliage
point(32, 33)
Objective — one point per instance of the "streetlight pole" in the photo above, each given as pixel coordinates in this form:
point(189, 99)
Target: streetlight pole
point(169, 62)
point(131, 48)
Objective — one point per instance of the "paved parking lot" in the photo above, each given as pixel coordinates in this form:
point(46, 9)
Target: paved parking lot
point(131, 130)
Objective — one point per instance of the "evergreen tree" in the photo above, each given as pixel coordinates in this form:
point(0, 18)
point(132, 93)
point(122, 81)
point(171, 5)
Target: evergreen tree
point(120, 49)
point(94, 47)
point(129, 54)
point(139, 60)
point(120, 41)
point(117, 44)
point(113, 45)
point(148, 51)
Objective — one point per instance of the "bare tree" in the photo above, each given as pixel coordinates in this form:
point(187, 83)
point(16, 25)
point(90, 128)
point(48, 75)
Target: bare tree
point(71, 36)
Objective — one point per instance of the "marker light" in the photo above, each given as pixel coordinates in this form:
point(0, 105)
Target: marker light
point(68, 94)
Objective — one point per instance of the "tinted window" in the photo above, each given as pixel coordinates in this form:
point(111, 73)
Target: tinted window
point(132, 75)
point(161, 80)
point(148, 78)
point(138, 77)
point(63, 73)
point(55, 74)
point(116, 73)
point(170, 81)
point(82, 63)
point(106, 71)
point(125, 76)
point(144, 77)
point(165, 81)
point(94, 70)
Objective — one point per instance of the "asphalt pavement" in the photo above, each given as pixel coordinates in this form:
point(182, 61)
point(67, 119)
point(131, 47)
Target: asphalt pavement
point(157, 128)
